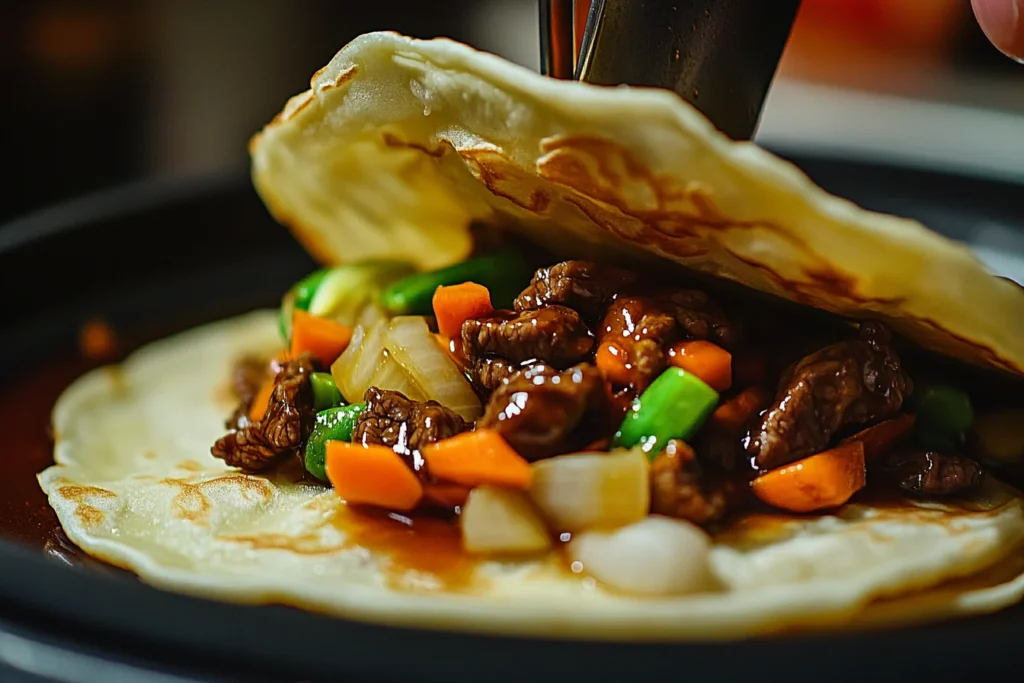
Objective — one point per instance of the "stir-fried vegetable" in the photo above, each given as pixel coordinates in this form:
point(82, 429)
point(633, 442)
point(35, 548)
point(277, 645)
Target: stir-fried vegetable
point(503, 274)
point(258, 408)
point(881, 438)
point(455, 304)
point(325, 391)
point(497, 520)
point(333, 424)
point(372, 475)
point(344, 291)
point(821, 481)
point(587, 490)
point(390, 376)
point(709, 362)
point(355, 367)
point(944, 416)
point(999, 437)
point(674, 407)
point(297, 299)
point(429, 366)
point(475, 458)
point(654, 556)
point(324, 339)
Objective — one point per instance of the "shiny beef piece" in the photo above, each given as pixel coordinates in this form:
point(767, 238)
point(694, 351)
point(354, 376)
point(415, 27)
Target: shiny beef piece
point(681, 488)
point(554, 335)
point(700, 318)
point(720, 440)
point(641, 329)
point(931, 474)
point(490, 373)
point(256, 446)
point(849, 383)
point(393, 420)
point(542, 411)
point(585, 287)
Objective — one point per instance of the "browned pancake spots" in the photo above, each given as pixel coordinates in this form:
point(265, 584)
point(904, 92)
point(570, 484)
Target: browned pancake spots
point(88, 515)
point(343, 78)
point(79, 493)
point(392, 139)
point(191, 503)
point(190, 466)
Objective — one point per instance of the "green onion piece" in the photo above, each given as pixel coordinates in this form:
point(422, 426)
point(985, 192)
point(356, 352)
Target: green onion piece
point(944, 416)
point(345, 291)
point(325, 391)
point(333, 424)
point(298, 297)
point(504, 274)
point(675, 406)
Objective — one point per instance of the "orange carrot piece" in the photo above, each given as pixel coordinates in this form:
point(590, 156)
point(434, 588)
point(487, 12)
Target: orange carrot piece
point(475, 458)
point(446, 495)
point(611, 361)
point(738, 410)
point(261, 400)
point(455, 304)
point(324, 339)
point(710, 362)
point(372, 475)
point(879, 439)
point(825, 480)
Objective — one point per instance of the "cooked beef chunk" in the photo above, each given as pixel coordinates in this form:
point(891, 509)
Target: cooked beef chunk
point(247, 376)
point(932, 474)
point(255, 446)
point(553, 334)
point(642, 328)
point(701, 318)
point(393, 420)
point(681, 488)
point(543, 412)
point(721, 441)
point(490, 373)
point(849, 383)
point(582, 286)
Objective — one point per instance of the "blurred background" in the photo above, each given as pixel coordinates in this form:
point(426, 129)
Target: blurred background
point(100, 92)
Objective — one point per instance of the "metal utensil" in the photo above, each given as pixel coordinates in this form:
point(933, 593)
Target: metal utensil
point(718, 55)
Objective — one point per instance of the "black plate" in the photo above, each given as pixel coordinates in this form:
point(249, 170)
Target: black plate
point(177, 253)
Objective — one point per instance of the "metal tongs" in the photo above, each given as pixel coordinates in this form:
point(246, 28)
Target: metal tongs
point(718, 55)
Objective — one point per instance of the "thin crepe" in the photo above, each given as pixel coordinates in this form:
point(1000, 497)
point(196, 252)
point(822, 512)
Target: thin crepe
point(135, 485)
point(399, 144)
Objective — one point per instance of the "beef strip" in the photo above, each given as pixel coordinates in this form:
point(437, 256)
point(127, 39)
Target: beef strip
point(701, 318)
point(681, 488)
point(582, 286)
point(933, 474)
point(641, 328)
point(721, 440)
point(256, 446)
point(848, 383)
point(247, 376)
point(553, 334)
point(400, 423)
point(490, 373)
point(542, 411)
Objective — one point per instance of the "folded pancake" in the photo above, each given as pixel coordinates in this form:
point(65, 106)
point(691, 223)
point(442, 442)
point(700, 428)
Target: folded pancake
point(554, 464)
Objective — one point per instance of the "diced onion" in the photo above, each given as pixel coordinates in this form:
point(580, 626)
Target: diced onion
point(390, 376)
point(411, 344)
point(655, 556)
point(496, 520)
point(347, 289)
point(587, 490)
point(356, 366)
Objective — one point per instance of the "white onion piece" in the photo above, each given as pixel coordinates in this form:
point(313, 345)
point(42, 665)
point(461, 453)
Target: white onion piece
point(355, 367)
point(390, 376)
point(586, 490)
point(655, 556)
point(496, 520)
point(411, 344)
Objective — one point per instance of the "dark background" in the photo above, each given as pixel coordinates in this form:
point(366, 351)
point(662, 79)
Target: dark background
point(98, 92)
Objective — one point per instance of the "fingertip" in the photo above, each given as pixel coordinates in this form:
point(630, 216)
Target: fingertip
point(1003, 24)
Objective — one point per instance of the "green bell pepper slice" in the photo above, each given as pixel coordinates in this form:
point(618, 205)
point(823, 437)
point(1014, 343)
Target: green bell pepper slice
point(298, 298)
point(333, 424)
point(504, 274)
point(325, 391)
point(944, 416)
point(345, 290)
point(674, 406)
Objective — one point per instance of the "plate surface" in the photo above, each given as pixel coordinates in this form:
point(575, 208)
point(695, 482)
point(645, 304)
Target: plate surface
point(154, 258)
